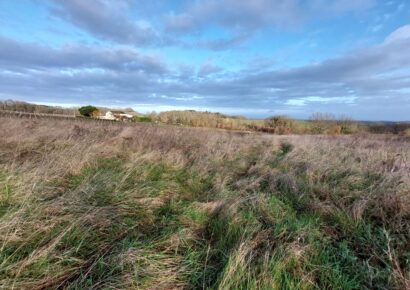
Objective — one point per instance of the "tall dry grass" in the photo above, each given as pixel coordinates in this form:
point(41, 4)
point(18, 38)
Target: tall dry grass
point(90, 206)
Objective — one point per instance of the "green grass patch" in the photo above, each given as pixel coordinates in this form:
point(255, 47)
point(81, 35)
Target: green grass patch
point(6, 192)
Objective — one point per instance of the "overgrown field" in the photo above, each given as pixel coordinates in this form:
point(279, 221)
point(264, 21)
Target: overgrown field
point(89, 206)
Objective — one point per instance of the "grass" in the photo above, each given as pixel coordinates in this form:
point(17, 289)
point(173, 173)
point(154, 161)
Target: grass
point(6, 193)
point(93, 206)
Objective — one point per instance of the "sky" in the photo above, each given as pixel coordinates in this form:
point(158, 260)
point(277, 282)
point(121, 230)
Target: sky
point(255, 58)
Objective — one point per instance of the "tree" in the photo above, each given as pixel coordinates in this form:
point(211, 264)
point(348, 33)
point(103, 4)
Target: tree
point(88, 111)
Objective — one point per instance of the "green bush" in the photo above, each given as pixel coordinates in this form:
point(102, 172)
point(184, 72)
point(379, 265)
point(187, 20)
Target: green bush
point(286, 147)
point(144, 119)
point(88, 111)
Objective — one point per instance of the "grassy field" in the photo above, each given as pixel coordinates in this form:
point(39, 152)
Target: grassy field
point(95, 206)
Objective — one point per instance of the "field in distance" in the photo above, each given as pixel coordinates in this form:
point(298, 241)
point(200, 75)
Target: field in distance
point(85, 205)
point(318, 123)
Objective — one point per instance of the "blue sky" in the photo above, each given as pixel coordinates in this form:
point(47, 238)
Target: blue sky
point(256, 58)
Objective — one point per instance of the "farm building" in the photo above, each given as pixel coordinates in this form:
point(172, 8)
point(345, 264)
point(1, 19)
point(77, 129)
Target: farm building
point(116, 116)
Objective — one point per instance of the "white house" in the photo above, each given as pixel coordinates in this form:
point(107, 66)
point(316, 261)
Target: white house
point(108, 116)
point(116, 116)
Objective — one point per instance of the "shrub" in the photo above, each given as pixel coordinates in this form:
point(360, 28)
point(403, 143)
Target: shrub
point(335, 130)
point(325, 123)
point(347, 125)
point(280, 124)
point(144, 119)
point(321, 122)
point(88, 111)
point(286, 147)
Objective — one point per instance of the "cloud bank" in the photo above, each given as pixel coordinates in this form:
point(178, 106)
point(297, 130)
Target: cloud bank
point(119, 70)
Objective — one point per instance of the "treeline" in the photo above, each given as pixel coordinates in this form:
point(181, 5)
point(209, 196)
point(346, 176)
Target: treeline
point(10, 105)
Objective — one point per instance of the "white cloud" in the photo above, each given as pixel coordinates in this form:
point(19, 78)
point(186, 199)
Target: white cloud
point(399, 34)
point(106, 19)
point(250, 15)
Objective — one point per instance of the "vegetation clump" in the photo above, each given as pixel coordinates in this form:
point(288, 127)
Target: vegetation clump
point(88, 111)
point(281, 125)
point(143, 119)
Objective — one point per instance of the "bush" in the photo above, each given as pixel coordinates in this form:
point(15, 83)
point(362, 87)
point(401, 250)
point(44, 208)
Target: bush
point(347, 125)
point(335, 130)
point(325, 123)
point(321, 122)
point(281, 124)
point(88, 111)
point(144, 119)
point(286, 147)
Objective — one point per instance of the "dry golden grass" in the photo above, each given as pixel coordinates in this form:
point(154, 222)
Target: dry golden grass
point(85, 205)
